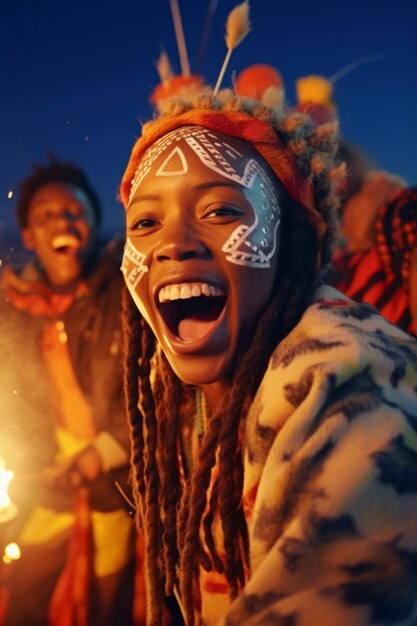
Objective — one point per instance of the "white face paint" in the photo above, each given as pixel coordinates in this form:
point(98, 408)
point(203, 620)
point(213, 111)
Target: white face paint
point(251, 246)
point(133, 268)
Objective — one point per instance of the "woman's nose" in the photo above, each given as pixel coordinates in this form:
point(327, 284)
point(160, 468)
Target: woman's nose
point(179, 243)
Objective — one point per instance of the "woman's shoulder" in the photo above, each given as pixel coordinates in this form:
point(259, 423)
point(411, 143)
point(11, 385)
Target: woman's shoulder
point(342, 338)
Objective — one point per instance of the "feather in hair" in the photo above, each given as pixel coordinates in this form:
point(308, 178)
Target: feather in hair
point(164, 68)
point(237, 27)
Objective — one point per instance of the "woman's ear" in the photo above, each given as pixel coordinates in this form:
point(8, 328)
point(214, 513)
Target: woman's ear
point(27, 238)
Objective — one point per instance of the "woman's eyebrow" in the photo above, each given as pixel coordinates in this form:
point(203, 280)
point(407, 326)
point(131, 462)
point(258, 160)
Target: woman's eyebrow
point(143, 198)
point(217, 183)
point(200, 187)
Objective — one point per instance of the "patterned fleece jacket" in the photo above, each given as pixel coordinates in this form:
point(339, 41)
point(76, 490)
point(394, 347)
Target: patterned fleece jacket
point(330, 487)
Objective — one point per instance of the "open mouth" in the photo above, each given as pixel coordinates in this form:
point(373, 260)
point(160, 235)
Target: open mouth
point(191, 310)
point(66, 244)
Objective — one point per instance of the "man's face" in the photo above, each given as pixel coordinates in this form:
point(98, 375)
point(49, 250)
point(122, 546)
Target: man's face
point(60, 230)
point(201, 252)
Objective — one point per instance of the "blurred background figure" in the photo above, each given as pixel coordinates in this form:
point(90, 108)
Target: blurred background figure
point(365, 192)
point(63, 426)
point(374, 259)
point(379, 265)
point(370, 186)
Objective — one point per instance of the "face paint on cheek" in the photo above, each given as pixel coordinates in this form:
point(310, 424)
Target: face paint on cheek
point(255, 245)
point(133, 269)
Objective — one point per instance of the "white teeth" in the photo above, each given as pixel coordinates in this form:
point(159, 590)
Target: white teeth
point(185, 291)
point(174, 293)
point(66, 240)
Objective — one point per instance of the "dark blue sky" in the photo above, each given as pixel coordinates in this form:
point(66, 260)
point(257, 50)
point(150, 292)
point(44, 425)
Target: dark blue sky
point(76, 76)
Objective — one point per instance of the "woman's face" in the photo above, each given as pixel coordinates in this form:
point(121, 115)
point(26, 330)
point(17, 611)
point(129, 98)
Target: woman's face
point(201, 252)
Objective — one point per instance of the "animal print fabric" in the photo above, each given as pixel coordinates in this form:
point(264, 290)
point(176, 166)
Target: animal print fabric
point(330, 491)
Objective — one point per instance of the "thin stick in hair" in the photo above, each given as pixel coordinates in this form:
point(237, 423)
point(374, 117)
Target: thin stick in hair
point(237, 27)
point(179, 34)
point(205, 35)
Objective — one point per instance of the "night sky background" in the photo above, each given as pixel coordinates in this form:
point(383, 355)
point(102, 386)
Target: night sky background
point(75, 77)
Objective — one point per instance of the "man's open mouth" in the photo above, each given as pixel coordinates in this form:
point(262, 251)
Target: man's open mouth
point(66, 244)
point(191, 310)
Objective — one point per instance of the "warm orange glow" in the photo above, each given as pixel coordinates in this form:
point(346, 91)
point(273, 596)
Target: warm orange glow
point(12, 552)
point(7, 508)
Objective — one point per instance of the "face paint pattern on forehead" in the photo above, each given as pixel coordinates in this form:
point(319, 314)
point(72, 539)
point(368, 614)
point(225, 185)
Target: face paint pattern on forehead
point(197, 138)
point(251, 246)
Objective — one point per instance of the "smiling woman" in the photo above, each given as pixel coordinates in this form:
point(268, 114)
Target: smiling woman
point(268, 411)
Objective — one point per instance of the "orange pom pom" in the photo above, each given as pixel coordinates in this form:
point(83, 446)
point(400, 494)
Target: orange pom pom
point(255, 79)
point(176, 86)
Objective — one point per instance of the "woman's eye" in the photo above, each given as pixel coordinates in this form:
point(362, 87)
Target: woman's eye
point(224, 211)
point(143, 223)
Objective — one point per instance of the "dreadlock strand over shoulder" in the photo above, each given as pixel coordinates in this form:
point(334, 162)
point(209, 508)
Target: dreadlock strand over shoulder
point(132, 341)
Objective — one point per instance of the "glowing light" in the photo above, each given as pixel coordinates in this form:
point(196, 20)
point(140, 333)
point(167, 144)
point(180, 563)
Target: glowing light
point(12, 552)
point(10, 194)
point(7, 508)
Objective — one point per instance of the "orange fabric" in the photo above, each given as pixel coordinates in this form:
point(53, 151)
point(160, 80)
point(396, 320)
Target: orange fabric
point(4, 601)
point(37, 298)
point(69, 602)
point(361, 276)
point(241, 126)
point(76, 413)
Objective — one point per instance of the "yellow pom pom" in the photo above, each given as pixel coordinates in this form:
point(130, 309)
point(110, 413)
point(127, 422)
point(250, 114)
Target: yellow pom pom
point(314, 89)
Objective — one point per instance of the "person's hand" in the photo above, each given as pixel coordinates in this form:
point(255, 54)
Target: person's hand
point(82, 468)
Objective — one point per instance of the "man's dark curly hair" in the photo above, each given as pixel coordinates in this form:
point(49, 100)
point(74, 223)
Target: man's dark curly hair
point(54, 171)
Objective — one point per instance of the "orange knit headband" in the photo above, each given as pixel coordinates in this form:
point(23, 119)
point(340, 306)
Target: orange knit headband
point(242, 126)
